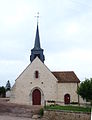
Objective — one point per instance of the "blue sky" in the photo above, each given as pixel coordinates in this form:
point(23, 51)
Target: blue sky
point(65, 28)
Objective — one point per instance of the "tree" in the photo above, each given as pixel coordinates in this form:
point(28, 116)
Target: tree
point(2, 92)
point(85, 89)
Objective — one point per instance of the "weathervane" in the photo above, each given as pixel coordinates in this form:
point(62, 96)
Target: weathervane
point(37, 17)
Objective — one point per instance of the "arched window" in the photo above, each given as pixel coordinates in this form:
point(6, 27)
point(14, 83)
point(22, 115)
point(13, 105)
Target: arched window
point(36, 74)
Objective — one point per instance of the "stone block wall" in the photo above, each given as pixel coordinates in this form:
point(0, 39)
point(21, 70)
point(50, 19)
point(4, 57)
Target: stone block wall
point(61, 115)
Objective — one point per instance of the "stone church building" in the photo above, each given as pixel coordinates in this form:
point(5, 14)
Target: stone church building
point(37, 84)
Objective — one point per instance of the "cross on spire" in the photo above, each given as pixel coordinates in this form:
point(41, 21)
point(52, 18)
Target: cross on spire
point(37, 16)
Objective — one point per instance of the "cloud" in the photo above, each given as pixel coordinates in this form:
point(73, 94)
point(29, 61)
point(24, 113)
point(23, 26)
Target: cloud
point(65, 30)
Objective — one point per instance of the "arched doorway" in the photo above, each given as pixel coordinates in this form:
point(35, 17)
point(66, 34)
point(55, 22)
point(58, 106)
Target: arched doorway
point(36, 97)
point(67, 99)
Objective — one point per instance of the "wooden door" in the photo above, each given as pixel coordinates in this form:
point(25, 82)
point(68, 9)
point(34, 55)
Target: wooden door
point(36, 97)
point(67, 99)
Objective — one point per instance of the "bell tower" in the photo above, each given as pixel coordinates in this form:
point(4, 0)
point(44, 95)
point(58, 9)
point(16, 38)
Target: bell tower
point(37, 51)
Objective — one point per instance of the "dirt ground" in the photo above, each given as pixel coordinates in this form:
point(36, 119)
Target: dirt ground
point(10, 111)
point(2, 117)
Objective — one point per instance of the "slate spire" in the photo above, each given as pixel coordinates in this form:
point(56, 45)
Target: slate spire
point(37, 51)
point(37, 39)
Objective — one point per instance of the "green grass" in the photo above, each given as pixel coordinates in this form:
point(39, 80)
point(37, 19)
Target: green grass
point(69, 108)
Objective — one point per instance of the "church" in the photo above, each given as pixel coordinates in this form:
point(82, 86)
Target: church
point(37, 84)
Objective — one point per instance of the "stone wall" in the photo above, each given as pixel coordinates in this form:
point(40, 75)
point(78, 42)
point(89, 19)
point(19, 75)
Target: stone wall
point(21, 92)
point(61, 115)
point(67, 88)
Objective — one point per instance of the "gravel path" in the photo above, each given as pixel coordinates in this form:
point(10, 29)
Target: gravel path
point(13, 118)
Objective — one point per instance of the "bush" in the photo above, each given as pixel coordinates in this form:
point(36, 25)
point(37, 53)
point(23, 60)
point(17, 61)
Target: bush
point(2, 92)
point(41, 112)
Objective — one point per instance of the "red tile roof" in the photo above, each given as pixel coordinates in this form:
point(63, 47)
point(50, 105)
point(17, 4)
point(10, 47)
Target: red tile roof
point(66, 77)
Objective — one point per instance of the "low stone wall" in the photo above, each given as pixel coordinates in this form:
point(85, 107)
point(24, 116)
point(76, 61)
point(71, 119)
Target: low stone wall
point(62, 115)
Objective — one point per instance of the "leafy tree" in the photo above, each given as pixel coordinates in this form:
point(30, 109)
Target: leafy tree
point(85, 89)
point(2, 91)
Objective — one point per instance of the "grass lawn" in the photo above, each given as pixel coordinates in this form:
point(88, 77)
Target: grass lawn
point(69, 108)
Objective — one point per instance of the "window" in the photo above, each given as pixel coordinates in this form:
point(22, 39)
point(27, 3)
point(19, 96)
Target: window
point(36, 74)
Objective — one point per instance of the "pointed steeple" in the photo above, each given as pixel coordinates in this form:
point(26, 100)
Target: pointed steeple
point(37, 39)
point(8, 85)
point(37, 51)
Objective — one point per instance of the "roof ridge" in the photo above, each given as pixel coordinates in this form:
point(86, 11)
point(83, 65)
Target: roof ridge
point(62, 71)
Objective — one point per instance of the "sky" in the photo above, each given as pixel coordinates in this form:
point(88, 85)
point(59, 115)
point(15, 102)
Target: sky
point(65, 28)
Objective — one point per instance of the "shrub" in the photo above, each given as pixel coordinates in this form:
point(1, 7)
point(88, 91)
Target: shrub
point(41, 112)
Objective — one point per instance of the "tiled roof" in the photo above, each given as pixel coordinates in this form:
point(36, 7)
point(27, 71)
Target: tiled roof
point(66, 77)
